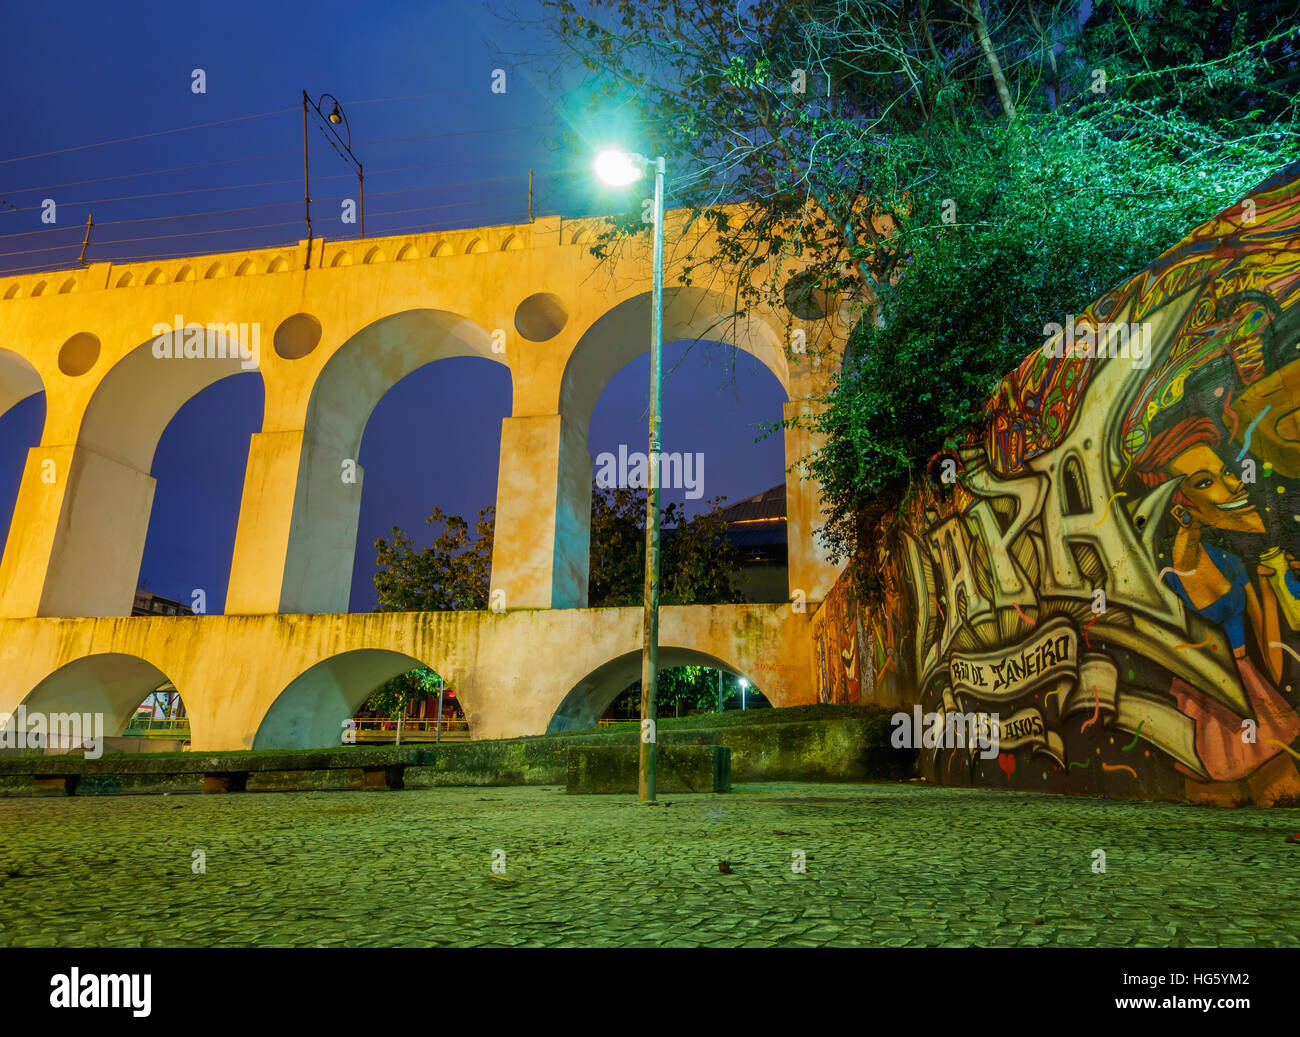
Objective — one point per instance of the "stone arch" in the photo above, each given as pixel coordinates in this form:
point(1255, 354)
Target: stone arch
point(245, 268)
point(475, 245)
point(311, 711)
point(18, 379)
point(440, 248)
point(594, 693)
point(13, 291)
point(605, 348)
point(375, 255)
point(408, 251)
point(217, 269)
point(112, 684)
point(185, 273)
point(342, 258)
point(68, 287)
point(512, 243)
point(155, 275)
point(98, 549)
point(39, 289)
point(278, 265)
point(621, 335)
point(322, 538)
point(126, 280)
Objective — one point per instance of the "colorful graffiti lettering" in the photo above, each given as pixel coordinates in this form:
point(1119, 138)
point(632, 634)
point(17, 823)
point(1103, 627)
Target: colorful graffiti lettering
point(1168, 492)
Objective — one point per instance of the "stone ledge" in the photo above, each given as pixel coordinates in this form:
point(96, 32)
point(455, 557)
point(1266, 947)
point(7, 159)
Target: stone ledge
point(612, 769)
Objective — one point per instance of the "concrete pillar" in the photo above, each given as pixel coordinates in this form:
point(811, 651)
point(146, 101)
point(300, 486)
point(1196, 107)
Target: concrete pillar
point(77, 536)
point(265, 518)
point(542, 543)
point(297, 531)
point(810, 570)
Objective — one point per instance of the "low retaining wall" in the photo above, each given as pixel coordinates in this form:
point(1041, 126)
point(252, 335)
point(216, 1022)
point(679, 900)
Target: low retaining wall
point(852, 748)
point(606, 769)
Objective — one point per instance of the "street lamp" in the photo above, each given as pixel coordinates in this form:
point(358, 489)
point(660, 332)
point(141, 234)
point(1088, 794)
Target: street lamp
point(619, 169)
point(743, 685)
point(335, 118)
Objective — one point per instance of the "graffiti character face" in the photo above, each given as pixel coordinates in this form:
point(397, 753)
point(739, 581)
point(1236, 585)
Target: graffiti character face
point(1214, 494)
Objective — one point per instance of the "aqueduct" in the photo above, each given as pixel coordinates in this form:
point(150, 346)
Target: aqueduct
point(331, 326)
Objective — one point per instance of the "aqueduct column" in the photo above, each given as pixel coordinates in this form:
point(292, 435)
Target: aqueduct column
point(257, 565)
point(543, 518)
point(48, 571)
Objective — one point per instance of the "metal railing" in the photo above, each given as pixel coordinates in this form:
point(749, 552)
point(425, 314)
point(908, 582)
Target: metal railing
point(147, 727)
point(422, 730)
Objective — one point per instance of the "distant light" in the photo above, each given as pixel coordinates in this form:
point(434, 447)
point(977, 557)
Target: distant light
point(617, 168)
point(744, 683)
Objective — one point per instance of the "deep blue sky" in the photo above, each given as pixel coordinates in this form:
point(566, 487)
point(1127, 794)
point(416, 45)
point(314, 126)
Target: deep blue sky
point(82, 74)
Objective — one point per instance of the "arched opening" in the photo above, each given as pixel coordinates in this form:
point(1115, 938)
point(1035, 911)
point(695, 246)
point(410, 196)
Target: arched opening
point(684, 691)
point(592, 698)
point(102, 692)
point(99, 549)
point(411, 468)
point(724, 380)
point(22, 421)
point(318, 707)
point(416, 706)
point(323, 536)
point(199, 482)
point(160, 723)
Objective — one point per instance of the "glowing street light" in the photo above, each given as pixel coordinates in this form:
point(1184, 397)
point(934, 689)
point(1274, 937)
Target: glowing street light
point(619, 169)
point(743, 685)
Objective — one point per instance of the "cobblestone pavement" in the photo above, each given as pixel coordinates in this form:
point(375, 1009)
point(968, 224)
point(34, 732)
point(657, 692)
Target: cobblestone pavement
point(887, 865)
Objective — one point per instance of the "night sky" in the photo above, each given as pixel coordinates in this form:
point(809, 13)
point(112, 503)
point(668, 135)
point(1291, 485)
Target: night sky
point(447, 153)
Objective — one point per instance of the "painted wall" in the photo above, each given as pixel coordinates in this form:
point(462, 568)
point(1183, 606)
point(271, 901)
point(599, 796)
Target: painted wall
point(1108, 563)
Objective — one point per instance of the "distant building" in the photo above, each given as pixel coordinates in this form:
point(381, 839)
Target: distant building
point(149, 604)
point(756, 527)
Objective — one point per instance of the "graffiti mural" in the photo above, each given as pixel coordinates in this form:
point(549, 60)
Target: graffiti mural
point(1111, 564)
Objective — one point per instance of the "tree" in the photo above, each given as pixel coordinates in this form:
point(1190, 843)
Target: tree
point(451, 574)
point(698, 565)
point(391, 698)
point(962, 172)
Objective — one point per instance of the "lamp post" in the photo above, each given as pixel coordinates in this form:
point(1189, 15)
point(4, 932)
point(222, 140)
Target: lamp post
point(335, 118)
point(619, 169)
point(744, 685)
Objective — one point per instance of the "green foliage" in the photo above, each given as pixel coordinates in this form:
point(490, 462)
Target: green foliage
point(681, 688)
point(451, 574)
point(697, 563)
point(390, 699)
point(1050, 213)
